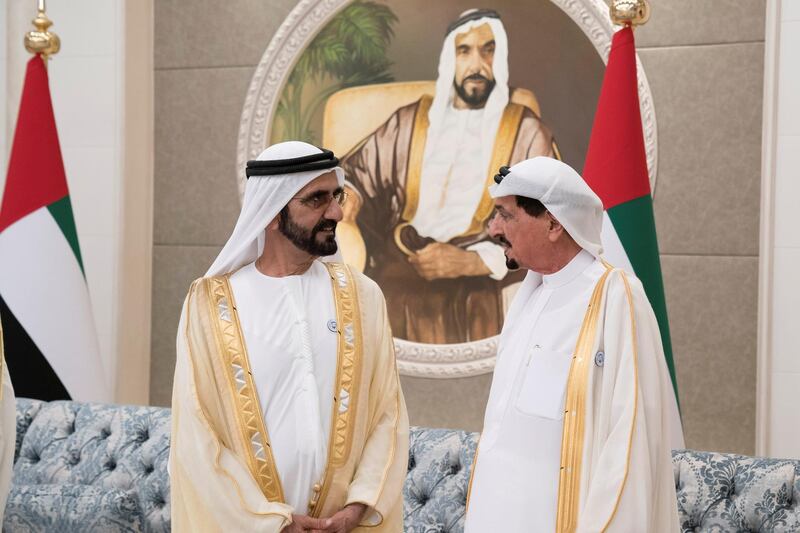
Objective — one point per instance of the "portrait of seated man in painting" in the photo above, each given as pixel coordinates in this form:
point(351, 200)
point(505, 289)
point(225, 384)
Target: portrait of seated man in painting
point(418, 208)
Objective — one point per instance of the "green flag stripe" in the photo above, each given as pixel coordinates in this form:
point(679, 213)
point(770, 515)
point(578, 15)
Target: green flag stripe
point(636, 228)
point(62, 212)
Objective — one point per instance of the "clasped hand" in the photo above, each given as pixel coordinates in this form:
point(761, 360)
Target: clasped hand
point(343, 521)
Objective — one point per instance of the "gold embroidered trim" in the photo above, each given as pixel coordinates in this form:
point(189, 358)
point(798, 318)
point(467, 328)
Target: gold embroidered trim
point(240, 378)
point(472, 475)
point(348, 374)
point(203, 416)
point(629, 297)
point(501, 155)
point(419, 135)
point(575, 415)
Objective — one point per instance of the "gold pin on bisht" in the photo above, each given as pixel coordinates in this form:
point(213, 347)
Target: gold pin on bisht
point(42, 40)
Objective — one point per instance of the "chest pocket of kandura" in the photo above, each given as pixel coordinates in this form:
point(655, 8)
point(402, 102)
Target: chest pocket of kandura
point(544, 384)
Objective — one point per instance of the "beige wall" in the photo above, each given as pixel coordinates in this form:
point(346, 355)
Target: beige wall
point(704, 61)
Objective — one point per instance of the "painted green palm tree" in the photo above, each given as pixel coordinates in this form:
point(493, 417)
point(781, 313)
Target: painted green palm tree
point(349, 51)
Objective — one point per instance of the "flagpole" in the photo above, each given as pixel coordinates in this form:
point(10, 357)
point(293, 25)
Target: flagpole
point(41, 40)
point(628, 12)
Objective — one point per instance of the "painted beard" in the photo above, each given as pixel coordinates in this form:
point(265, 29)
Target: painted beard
point(478, 97)
point(306, 239)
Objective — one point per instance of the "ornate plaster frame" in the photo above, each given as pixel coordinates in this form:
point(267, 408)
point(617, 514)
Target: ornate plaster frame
point(296, 32)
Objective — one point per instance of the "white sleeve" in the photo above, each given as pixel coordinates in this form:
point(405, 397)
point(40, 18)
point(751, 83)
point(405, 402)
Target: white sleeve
point(493, 257)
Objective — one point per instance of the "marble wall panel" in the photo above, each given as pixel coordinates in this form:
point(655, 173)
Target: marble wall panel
point(447, 403)
point(708, 108)
point(687, 22)
point(208, 33)
point(196, 127)
point(174, 269)
point(712, 306)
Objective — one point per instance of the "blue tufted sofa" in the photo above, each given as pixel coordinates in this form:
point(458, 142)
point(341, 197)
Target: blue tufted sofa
point(89, 467)
point(102, 468)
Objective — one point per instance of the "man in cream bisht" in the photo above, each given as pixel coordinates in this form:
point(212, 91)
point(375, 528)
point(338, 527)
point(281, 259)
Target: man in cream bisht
point(287, 410)
point(581, 413)
point(8, 429)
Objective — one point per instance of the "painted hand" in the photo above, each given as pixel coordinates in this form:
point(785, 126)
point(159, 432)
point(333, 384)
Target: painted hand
point(440, 261)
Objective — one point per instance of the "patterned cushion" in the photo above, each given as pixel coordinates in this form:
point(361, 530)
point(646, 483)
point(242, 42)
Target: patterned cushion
point(439, 468)
point(26, 411)
point(35, 508)
point(735, 493)
point(108, 447)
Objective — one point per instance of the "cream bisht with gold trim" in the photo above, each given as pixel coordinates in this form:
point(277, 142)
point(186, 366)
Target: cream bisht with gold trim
point(8, 429)
point(224, 476)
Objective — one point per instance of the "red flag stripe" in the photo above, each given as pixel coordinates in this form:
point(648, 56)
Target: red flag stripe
point(36, 175)
point(616, 164)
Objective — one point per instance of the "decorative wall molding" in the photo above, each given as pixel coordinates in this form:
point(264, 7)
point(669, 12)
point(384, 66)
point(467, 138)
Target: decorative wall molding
point(271, 74)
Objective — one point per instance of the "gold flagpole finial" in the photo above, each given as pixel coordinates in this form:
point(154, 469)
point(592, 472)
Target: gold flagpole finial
point(629, 12)
point(41, 41)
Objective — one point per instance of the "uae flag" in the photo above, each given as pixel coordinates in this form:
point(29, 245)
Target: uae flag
point(48, 330)
point(616, 169)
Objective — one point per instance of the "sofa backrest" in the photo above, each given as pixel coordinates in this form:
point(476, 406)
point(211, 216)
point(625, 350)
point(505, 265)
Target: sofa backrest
point(726, 492)
point(125, 448)
point(439, 469)
point(121, 447)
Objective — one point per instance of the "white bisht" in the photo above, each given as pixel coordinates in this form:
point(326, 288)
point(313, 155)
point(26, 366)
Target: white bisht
point(620, 415)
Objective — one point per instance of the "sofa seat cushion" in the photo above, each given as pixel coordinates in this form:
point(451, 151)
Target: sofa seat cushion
point(63, 507)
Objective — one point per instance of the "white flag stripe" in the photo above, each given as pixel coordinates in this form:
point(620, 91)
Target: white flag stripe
point(613, 251)
point(42, 283)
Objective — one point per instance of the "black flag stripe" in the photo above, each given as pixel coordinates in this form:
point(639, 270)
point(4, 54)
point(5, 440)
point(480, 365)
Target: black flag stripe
point(31, 374)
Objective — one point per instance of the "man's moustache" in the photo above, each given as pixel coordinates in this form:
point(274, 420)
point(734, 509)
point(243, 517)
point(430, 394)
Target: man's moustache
point(325, 225)
point(476, 77)
point(502, 240)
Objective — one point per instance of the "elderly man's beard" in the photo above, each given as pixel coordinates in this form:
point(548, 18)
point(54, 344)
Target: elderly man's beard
point(306, 239)
point(478, 97)
point(510, 263)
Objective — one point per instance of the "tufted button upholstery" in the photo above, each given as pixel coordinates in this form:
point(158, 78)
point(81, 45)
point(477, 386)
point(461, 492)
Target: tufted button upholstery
point(73, 457)
point(435, 491)
point(119, 454)
point(111, 447)
point(723, 492)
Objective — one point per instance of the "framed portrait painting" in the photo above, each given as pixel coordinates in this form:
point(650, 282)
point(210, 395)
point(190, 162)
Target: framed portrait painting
point(423, 102)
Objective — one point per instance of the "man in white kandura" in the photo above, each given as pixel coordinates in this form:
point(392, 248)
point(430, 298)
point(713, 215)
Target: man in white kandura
point(581, 412)
point(287, 409)
point(8, 429)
